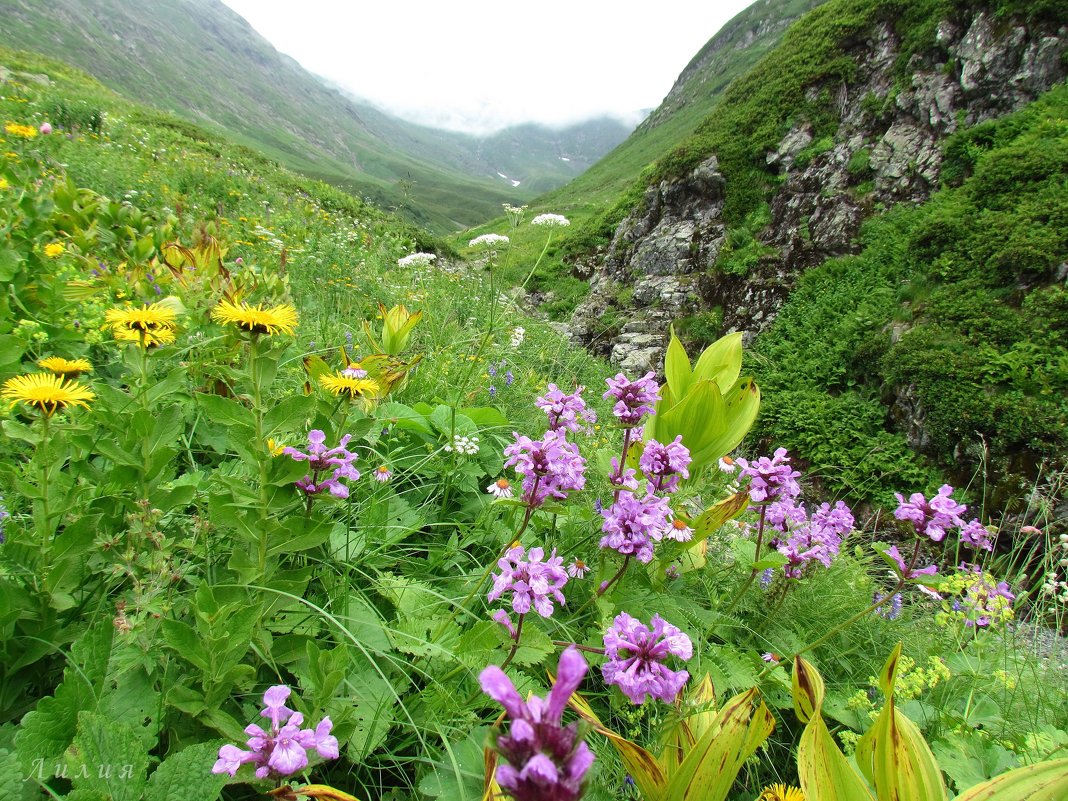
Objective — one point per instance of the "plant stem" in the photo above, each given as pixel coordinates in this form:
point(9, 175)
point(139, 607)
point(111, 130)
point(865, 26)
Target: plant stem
point(882, 602)
point(544, 250)
point(260, 451)
point(515, 642)
point(756, 558)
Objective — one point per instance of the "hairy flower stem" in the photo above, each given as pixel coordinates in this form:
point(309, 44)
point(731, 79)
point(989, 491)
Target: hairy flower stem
point(515, 642)
point(756, 559)
point(859, 615)
point(605, 585)
point(44, 527)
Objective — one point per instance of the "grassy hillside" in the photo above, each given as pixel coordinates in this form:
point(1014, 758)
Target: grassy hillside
point(201, 60)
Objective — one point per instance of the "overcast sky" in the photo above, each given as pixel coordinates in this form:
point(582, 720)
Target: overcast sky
point(477, 66)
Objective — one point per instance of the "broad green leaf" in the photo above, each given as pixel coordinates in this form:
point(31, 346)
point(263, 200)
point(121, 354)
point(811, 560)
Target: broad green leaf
point(721, 361)
point(1045, 781)
point(16, 784)
point(107, 757)
point(677, 367)
point(187, 775)
point(225, 410)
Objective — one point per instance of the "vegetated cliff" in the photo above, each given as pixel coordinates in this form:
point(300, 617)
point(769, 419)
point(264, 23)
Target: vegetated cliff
point(846, 119)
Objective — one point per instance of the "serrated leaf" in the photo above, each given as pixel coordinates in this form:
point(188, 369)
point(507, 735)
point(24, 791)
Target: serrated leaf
point(15, 784)
point(107, 757)
point(187, 775)
point(374, 702)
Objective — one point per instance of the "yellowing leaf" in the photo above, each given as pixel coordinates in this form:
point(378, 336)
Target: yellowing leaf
point(893, 755)
point(808, 690)
point(1045, 781)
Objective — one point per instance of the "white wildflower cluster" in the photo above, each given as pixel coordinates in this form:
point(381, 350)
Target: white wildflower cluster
point(490, 240)
point(515, 214)
point(417, 260)
point(518, 333)
point(465, 446)
point(552, 220)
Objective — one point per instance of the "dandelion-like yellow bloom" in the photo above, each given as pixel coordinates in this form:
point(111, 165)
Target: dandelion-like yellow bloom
point(148, 319)
point(24, 131)
point(354, 388)
point(66, 368)
point(54, 250)
point(46, 392)
point(256, 319)
point(781, 792)
point(3, 183)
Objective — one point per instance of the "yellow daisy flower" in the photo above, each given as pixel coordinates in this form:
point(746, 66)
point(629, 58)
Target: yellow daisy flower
point(148, 319)
point(354, 388)
point(54, 250)
point(256, 319)
point(781, 792)
point(149, 339)
point(46, 392)
point(66, 368)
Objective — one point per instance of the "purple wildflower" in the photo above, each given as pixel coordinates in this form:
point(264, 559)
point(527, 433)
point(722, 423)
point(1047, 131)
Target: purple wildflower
point(634, 399)
point(551, 467)
point(508, 378)
point(771, 479)
point(930, 518)
point(626, 478)
point(563, 410)
point(665, 465)
point(282, 751)
point(767, 577)
point(322, 460)
point(503, 618)
point(976, 535)
point(891, 611)
point(545, 760)
point(636, 657)
point(4, 517)
point(895, 554)
point(632, 524)
point(531, 581)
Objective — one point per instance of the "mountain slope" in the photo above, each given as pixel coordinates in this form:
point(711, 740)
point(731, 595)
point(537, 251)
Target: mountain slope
point(736, 47)
point(199, 59)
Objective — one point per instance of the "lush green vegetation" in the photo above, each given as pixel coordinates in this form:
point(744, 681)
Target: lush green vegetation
point(954, 304)
point(171, 552)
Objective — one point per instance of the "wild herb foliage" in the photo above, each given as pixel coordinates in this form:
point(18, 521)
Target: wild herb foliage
point(260, 437)
point(951, 314)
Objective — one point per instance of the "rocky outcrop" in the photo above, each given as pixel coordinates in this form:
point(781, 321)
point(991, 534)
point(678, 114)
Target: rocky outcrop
point(662, 263)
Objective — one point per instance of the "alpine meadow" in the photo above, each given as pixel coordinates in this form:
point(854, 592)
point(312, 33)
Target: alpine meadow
point(724, 458)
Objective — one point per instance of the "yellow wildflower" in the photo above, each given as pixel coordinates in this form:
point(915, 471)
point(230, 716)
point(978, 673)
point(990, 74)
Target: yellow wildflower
point(54, 250)
point(65, 368)
point(256, 319)
point(46, 392)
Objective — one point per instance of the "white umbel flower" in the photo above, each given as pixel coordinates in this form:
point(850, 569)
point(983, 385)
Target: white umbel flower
point(552, 220)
